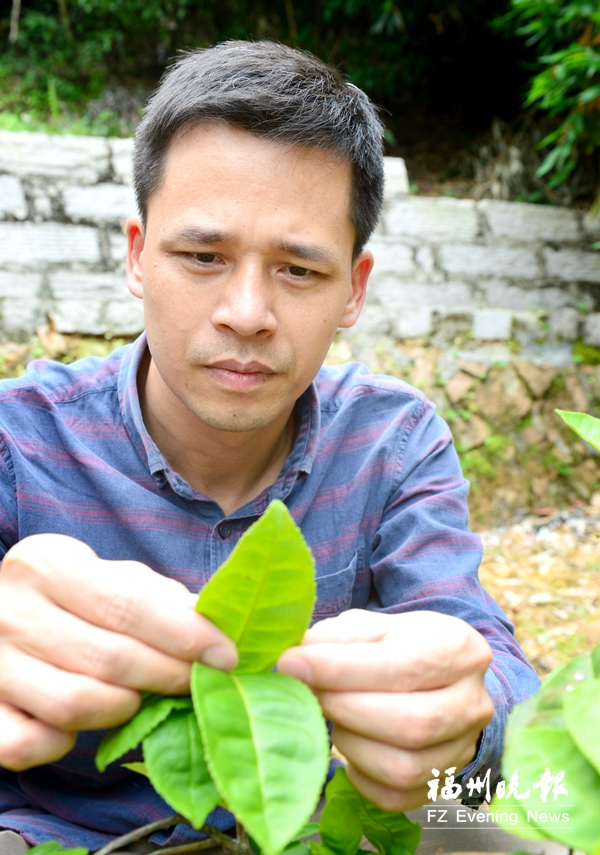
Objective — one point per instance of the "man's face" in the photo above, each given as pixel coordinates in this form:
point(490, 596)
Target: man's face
point(246, 272)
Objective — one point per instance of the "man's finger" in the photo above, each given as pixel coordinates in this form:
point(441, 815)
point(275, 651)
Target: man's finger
point(61, 699)
point(27, 742)
point(411, 720)
point(411, 655)
point(399, 772)
point(125, 597)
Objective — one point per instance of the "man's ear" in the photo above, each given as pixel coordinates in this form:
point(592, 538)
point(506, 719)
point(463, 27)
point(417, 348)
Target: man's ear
point(133, 261)
point(361, 268)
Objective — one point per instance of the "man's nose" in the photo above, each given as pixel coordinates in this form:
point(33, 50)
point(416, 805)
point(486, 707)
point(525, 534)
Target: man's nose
point(245, 303)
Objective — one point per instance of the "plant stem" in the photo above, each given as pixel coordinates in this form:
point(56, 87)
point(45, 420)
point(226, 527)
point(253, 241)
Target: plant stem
point(138, 834)
point(193, 846)
point(225, 841)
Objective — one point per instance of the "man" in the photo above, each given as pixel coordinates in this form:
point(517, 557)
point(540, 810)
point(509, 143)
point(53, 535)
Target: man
point(126, 483)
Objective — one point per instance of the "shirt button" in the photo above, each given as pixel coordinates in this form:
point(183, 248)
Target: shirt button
point(224, 530)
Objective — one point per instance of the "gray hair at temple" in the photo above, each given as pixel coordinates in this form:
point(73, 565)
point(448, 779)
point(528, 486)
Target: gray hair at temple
point(273, 91)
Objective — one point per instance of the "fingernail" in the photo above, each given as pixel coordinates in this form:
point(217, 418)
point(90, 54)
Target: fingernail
point(293, 666)
point(223, 658)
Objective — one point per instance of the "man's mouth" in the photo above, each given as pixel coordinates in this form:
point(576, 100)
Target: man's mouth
point(240, 376)
point(242, 367)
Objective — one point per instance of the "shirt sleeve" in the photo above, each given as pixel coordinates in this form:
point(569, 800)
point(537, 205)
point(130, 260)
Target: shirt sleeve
point(8, 501)
point(425, 558)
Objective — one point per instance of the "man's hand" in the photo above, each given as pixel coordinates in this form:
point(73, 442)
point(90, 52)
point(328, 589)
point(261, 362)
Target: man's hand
point(80, 637)
point(405, 693)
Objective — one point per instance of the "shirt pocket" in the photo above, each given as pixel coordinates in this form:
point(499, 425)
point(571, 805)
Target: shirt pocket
point(334, 591)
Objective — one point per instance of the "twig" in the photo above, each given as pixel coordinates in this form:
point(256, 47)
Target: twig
point(14, 22)
point(193, 846)
point(225, 841)
point(138, 833)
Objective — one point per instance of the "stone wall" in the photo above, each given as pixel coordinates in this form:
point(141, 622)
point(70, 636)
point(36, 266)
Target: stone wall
point(447, 270)
point(479, 304)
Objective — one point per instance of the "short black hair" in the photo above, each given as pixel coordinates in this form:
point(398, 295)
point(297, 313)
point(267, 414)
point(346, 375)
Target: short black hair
point(273, 91)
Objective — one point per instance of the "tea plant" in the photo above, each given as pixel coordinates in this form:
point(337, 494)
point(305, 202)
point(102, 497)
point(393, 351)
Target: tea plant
point(252, 740)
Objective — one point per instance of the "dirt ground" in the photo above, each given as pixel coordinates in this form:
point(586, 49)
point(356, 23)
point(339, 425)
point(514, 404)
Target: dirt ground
point(544, 571)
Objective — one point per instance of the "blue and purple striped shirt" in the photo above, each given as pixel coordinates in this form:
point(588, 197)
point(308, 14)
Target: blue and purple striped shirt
point(373, 480)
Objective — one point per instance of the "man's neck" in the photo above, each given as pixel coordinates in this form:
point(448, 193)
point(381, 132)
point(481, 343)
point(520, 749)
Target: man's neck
point(232, 468)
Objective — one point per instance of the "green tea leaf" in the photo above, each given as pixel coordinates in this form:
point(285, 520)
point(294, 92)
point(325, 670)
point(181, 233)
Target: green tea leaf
point(136, 766)
point(533, 752)
point(120, 740)
point(582, 716)
point(267, 749)
point(53, 847)
point(557, 686)
point(585, 426)
point(390, 833)
point(341, 827)
point(262, 597)
point(174, 756)
point(596, 660)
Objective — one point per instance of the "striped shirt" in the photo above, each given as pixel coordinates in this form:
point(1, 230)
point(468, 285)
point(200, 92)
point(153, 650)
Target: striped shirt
point(373, 481)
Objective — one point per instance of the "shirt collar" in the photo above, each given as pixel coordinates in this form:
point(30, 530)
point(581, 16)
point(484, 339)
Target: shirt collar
point(300, 459)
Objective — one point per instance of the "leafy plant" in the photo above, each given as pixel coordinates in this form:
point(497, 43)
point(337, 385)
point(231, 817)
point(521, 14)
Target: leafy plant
point(551, 740)
point(565, 37)
point(252, 740)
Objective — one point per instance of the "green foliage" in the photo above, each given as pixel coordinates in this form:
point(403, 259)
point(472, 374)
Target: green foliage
point(255, 741)
point(585, 426)
point(421, 53)
point(585, 354)
point(154, 710)
point(555, 732)
point(348, 816)
point(267, 749)
point(564, 36)
point(251, 598)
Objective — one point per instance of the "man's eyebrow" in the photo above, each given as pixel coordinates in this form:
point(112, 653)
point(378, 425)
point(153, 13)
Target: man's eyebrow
point(308, 252)
point(199, 234)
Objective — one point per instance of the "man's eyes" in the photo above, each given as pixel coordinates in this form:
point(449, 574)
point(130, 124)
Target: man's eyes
point(205, 257)
point(212, 258)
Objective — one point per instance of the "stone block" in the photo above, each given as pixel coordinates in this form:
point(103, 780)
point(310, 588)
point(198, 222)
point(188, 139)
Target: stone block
point(475, 261)
point(492, 324)
point(81, 285)
point(425, 259)
point(502, 295)
point(573, 265)
point(77, 316)
point(42, 204)
point(527, 223)
point(121, 158)
point(502, 398)
point(124, 318)
point(591, 329)
point(396, 177)
point(20, 317)
point(458, 386)
point(117, 244)
point(12, 197)
point(82, 159)
point(391, 257)
point(591, 226)
point(564, 324)
point(537, 378)
point(19, 286)
point(469, 433)
point(449, 295)
point(432, 219)
point(35, 245)
point(414, 322)
point(102, 203)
